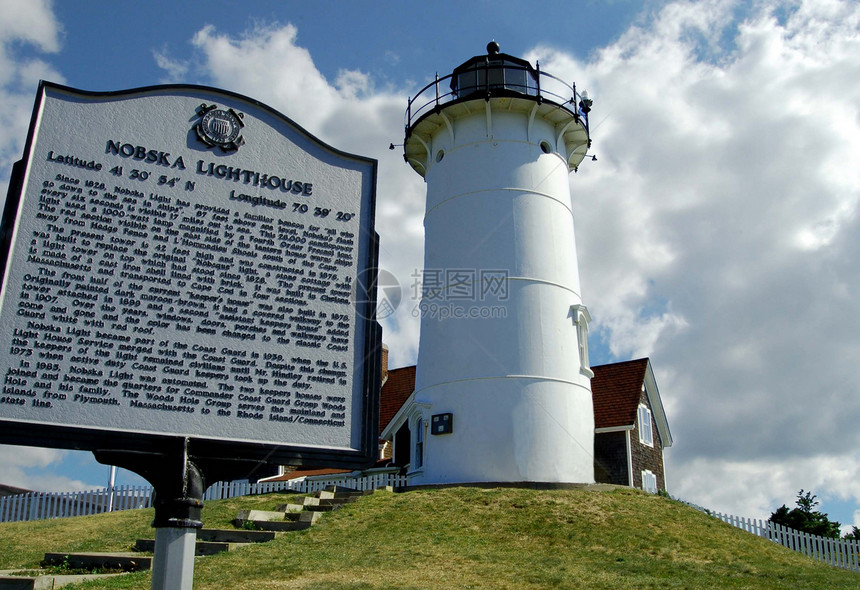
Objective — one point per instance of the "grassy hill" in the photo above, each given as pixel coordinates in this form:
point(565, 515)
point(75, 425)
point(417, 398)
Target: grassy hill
point(462, 538)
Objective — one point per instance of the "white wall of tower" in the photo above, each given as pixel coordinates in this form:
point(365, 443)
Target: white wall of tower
point(514, 382)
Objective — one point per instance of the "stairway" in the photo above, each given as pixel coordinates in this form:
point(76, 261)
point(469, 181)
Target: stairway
point(252, 526)
point(295, 517)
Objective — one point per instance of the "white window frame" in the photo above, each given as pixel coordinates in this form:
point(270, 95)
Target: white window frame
point(646, 429)
point(649, 481)
point(418, 451)
point(581, 317)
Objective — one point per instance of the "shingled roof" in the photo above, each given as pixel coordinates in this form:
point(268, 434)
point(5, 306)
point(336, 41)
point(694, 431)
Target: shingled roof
point(12, 491)
point(396, 389)
point(616, 390)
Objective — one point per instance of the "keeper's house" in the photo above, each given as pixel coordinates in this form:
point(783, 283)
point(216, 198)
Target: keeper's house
point(631, 429)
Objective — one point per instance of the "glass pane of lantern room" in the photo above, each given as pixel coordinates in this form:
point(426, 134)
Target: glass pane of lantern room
point(482, 79)
point(496, 73)
point(515, 79)
point(466, 83)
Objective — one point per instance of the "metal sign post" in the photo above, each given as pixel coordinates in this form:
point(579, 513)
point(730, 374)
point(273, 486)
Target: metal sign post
point(179, 487)
point(173, 563)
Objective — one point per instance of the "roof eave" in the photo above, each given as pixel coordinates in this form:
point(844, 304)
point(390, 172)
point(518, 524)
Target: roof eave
point(614, 429)
point(398, 419)
point(657, 409)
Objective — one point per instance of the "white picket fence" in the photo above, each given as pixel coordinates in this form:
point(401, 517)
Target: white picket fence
point(43, 505)
point(842, 553)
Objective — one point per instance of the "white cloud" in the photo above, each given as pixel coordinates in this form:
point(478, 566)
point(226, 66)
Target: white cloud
point(25, 26)
point(176, 70)
point(267, 61)
point(31, 21)
point(31, 24)
point(24, 467)
point(756, 488)
point(352, 84)
point(392, 57)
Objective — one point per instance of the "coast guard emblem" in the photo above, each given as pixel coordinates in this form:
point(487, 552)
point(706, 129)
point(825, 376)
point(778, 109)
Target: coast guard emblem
point(220, 127)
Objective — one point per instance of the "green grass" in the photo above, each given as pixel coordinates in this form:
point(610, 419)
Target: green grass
point(464, 538)
point(24, 544)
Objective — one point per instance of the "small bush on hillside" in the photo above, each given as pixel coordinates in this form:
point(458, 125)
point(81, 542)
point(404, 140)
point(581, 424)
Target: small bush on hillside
point(804, 518)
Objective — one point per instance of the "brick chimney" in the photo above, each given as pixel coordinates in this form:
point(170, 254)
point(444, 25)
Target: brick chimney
point(384, 363)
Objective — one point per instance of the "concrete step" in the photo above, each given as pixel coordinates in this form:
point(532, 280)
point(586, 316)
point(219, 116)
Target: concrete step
point(303, 516)
point(46, 582)
point(328, 501)
point(322, 507)
point(126, 561)
point(257, 515)
point(342, 489)
point(234, 536)
point(307, 516)
point(200, 547)
point(276, 526)
point(347, 496)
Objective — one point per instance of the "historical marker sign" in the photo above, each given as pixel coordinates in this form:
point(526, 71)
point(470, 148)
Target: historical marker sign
point(182, 261)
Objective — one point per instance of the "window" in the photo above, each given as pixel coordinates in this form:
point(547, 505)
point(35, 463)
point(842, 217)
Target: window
point(649, 482)
point(581, 317)
point(470, 81)
point(418, 463)
point(646, 435)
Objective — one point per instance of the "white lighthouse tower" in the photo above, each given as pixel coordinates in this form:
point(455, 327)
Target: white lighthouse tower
point(502, 389)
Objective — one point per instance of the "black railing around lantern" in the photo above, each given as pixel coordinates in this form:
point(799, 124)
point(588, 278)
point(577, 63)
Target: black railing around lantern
point(497, 78)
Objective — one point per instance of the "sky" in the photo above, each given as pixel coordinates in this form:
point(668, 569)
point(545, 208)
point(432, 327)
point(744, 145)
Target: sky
point(717, 232)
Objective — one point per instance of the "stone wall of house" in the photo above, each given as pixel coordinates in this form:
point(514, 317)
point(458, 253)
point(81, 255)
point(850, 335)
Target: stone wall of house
point(610, 458)
point(386, 450)
point(644, 456)
point(384, 363)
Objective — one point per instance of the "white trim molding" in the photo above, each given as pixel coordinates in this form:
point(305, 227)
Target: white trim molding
point(646, 428)
point(613, 429)
point(581, 317)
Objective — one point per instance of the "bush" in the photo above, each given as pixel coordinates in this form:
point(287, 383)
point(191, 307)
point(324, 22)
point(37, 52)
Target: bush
point(804, 518)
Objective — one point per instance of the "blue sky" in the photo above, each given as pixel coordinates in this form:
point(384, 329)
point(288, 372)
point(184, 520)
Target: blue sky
point(717, 233)
point(392, 41)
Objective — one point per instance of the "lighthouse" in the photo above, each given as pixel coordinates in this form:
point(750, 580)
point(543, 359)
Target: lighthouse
point(502, 390)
